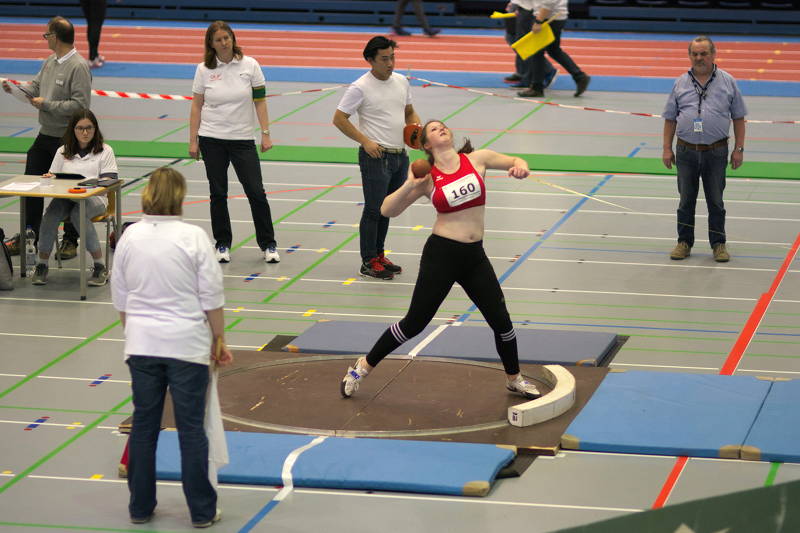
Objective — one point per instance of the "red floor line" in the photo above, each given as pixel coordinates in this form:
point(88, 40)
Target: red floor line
point(669, 484)
point(735, 357)
point(760, 309)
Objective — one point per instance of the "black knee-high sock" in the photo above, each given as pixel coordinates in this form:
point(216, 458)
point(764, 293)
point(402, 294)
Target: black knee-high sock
point(506, 344)
point(388, 342)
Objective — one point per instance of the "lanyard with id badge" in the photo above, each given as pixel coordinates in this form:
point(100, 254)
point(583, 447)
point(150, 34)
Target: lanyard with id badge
point(701, 90)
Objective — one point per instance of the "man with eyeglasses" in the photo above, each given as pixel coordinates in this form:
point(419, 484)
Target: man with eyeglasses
point(699, 111)
point(62, 87)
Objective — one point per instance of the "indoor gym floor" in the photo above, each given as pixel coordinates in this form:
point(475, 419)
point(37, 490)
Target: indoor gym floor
point(566, 262)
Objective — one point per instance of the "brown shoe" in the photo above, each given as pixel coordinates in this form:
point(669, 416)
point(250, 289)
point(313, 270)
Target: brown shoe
point(681, 251)
point(721, 255)
point(67, 249)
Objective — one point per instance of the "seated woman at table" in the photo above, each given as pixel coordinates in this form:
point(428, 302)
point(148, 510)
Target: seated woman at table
point(85, 153)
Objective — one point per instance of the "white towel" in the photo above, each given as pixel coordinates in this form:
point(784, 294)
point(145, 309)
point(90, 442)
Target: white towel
point(217, 446)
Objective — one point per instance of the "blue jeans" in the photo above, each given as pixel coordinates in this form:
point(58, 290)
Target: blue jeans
point(380, 177)
point(61, 208)
point(709, 166)
point(187, 383)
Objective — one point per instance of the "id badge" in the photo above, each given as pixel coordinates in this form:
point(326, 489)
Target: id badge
point(698, 125)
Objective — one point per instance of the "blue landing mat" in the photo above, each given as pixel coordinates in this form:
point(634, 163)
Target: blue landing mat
point(537, 346)
point(775, 435)
point(365, 464)
point(670, 414)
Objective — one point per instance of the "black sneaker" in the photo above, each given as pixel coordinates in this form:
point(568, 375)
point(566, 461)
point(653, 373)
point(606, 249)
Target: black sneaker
point(388, 265)
point(397, 30)
point(99, 275)
point(433, 32)
point(581, 85)
point(513, 78)
point(40, 274)
point(531, 93)
point(67, 249)
point(374, 269)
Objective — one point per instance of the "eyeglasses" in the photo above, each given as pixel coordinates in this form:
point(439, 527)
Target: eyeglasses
point(85, 129)
point(48, 34)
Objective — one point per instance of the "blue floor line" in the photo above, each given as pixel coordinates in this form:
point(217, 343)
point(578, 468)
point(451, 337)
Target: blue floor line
point(259, 516)
point(620, 251)
point(653, 328)
point(522, 258)
point(20, 132)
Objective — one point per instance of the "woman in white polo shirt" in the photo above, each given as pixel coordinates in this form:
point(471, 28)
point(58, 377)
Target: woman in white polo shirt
point(85, 153)
point(228, 95)
point(167, 287)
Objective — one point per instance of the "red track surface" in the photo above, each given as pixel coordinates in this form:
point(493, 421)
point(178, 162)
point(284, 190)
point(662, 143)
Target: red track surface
point(779, 61)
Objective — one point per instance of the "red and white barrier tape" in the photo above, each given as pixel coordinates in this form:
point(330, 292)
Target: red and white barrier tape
point(152, 96)
point(580, 108)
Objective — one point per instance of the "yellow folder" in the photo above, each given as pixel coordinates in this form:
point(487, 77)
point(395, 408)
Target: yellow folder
point(499, 15)
point(530, 43)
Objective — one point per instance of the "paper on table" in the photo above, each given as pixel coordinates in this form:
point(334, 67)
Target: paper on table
point(24, 186)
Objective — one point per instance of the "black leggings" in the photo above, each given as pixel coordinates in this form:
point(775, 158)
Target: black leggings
point(95, 13)
point(444, 262)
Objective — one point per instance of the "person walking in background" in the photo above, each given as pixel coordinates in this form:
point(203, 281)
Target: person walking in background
point(62, 86)
point(419, 11)
point(229, 95)
point(95, 13)
point(382, 99)
point(523, 77)
point(167, 287)
point(699, 109)
point(557, 10)
point(84, 153)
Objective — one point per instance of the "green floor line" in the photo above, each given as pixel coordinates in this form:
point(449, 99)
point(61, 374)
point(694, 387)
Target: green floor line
point(283, 319)
point(340, 306)
point(773, 473)
point(777, 355)
point(662, 350)
point(463, 108)
point(232, 324)
point(170, 132)
point(307, 104)
point(678, 337)
point(54, 410)
point(521, 119)
point(299, 276)
point(293, 211)
point(9, 204)
point(754, 341)
point(58, 359)
point(78, 528)
point(336, 154)
point(516, 314)
point(17, 478)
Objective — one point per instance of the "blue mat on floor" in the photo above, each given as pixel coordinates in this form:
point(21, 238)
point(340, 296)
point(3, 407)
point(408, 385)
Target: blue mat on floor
point(775, 435)
point(537, 346)
point(670, 414)
point(343, 463)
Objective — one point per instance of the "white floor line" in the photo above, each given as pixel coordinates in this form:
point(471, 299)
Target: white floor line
point(66, 378)
point(427, 340)
point(354, 494)
point(77, 425)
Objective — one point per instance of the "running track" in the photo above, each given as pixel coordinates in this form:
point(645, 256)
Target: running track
point(745, 60)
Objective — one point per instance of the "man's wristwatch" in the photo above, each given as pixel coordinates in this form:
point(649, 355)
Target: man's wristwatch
point(265, 132)
point(740, 149)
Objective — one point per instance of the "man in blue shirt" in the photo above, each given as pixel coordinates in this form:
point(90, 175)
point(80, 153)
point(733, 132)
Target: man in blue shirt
point(700, 109)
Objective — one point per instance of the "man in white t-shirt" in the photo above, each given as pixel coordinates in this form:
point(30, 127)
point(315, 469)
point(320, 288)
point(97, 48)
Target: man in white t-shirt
point(382, 99)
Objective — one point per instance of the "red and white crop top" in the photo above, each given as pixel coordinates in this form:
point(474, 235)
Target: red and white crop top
point(460, 190)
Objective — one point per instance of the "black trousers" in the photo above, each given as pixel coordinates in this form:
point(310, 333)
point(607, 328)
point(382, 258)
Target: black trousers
point(218, 155)
point(40, 157)
point(556, 53)
point(443, 263)
point(95, 13)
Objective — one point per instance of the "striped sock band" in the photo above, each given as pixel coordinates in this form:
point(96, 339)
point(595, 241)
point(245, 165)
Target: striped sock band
point(510, 335)
point(397, 333)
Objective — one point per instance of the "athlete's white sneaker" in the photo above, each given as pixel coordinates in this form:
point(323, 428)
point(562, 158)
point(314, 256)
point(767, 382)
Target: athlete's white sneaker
point(353, 378)
point(271, 255)
point(223, 254)
point(524, 387)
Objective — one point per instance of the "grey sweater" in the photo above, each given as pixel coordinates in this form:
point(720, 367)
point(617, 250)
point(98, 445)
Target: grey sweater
point(66, 88)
